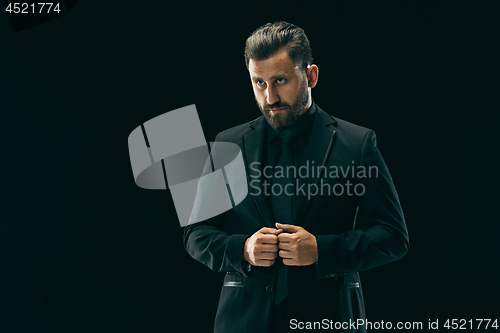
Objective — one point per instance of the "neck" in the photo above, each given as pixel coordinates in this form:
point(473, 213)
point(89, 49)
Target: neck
point(308, 105)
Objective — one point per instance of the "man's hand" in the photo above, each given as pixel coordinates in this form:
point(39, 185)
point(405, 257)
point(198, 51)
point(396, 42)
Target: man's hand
point(261, 249)
point(296, 245)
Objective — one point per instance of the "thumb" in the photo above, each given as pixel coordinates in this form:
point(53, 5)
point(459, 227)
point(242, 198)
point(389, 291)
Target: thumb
point(287, 227)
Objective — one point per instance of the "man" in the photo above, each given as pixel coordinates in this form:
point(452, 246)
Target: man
point(293, 248)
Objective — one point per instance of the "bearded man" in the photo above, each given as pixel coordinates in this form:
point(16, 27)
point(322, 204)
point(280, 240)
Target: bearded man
point(292, 256)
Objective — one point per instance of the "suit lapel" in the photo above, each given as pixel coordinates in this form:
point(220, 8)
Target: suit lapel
point(319, 147)
point(252, 145)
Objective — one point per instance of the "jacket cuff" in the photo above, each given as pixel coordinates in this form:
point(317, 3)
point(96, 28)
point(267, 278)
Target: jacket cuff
point(234, 253)
point(323, 265)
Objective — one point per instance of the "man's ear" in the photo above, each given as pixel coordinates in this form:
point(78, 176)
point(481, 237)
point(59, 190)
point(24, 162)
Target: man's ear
point(312, 75)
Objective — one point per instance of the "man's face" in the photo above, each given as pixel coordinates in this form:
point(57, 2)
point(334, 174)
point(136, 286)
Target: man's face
point(280, 88)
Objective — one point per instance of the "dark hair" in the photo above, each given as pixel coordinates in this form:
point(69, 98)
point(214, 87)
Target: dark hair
point(271, 37)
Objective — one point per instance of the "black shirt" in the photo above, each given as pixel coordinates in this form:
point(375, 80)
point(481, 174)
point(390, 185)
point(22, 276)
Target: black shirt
point(302, 129)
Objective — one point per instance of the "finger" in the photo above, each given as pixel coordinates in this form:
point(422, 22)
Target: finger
point(267, 239)
point(287, 246)
point(285, 237)
point(268, 248)
point(285, 254)
point(267, 256)
point(271, 231)
point(290, 262)
point(264, 263)
point(288, 227)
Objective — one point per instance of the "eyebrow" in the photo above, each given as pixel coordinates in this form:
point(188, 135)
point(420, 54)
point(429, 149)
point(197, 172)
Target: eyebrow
point(274, 77)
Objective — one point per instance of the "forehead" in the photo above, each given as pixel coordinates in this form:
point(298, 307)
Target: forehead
point(279, 63)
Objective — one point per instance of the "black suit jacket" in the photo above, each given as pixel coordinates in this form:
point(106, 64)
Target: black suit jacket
point(353, 232)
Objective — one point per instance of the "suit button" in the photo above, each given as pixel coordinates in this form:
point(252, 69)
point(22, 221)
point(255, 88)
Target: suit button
point(269, 289)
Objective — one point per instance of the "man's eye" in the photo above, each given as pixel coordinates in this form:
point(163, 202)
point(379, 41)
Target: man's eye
point(260, 83)
point(280, 80)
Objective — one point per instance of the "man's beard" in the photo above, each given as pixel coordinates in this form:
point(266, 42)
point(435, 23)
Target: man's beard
point(290, 113)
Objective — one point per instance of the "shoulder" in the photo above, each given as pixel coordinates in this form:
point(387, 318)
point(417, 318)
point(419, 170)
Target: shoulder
point(347, 130)
point(354, 133)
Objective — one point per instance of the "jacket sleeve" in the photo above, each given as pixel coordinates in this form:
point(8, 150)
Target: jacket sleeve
point(208, 243)
point(380, 234)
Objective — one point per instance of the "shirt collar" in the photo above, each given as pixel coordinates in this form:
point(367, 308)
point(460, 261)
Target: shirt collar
point(302, 128)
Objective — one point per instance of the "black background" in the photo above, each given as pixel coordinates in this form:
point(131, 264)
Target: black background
point(83, 249)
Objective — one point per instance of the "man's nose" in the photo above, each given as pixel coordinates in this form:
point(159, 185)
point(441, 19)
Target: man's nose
point(272, 95)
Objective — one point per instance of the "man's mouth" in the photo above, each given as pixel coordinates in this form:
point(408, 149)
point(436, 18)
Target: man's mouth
point(277, 110)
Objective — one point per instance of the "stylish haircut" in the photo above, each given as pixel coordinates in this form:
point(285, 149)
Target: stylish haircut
point(271, 37)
